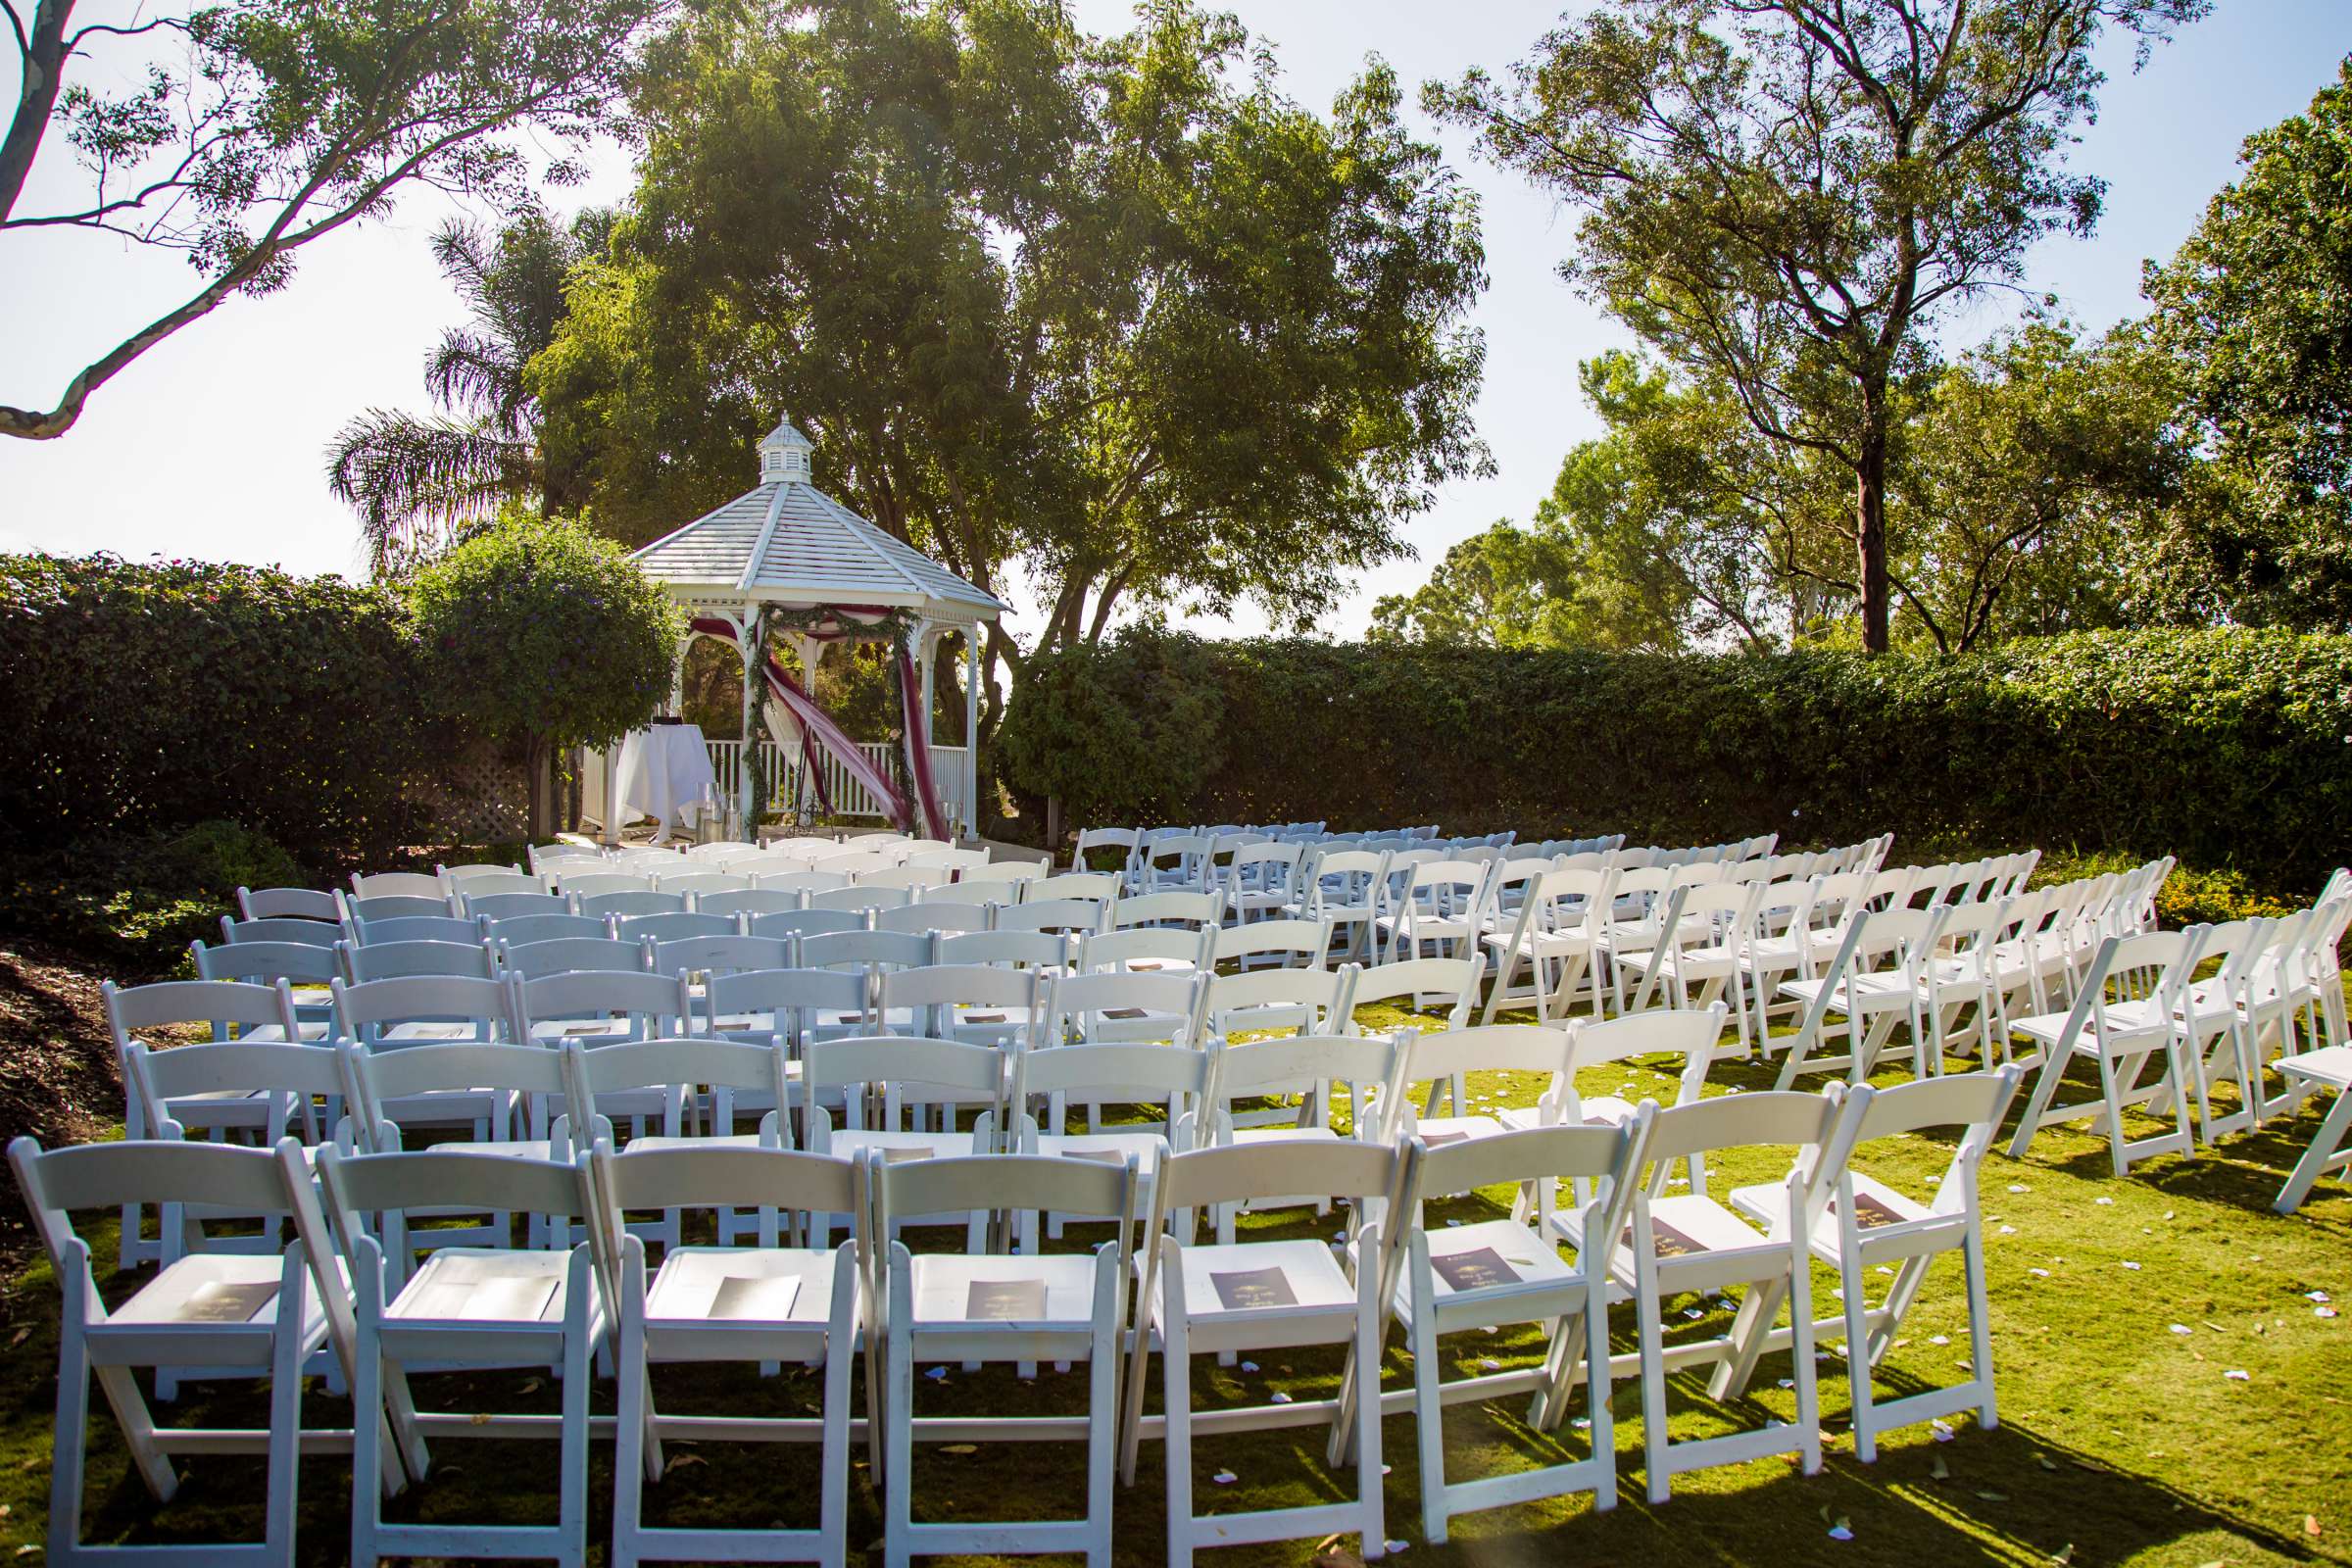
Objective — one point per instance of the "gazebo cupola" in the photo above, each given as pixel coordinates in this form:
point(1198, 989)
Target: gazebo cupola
point(784, 456)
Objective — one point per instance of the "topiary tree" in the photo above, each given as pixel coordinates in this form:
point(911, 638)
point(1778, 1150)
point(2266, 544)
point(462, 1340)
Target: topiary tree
point(536, 630)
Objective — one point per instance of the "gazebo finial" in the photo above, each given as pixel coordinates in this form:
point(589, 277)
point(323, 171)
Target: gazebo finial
point(784, 455)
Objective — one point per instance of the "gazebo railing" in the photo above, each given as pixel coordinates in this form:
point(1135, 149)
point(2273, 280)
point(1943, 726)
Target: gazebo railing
point(780, 771)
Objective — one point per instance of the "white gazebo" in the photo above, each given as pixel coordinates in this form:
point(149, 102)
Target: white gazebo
point(786, 546)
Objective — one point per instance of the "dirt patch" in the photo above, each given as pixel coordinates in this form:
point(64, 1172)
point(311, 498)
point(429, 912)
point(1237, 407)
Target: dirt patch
point(58, 1077)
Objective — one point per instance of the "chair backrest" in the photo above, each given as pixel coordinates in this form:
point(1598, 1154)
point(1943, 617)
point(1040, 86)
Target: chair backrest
point(750, 901)
point(1416, 978)
point(1193, 909)
point(1145, 949)
point(1075, 1002)
point(1115, 1073)
point(356, 1186)
point(699, 885)
point(376, 1079)
point(920, 1071)
point(522, 930)
point(797, 1000)
point(1000, 881)
point(592, 1001)
point(1010, 998)
point(1689, 1032)
point(408, 884)
point(592, 883)
point(316, 933)
point(854, 865)
point(721, 849)
point(416, 928)
point(1816, 1126)
point(685, 1176)
point(927, 916)
point(800, 879)
point(1300, 943)
point(292, 1076)
point(283, 903)
point(562, 955)
point(721, 955)
point(727, 1068)
point(508, 906)
point(1099, 886)
point(1322, 997)
point(486, 884)
point(370, 1010)
point(1973, 1102)
point(867, 950)
point(1069, 915)
point(1313, 1064)
point(222, 1003)
point(1119, 839)
point(623, 905)
point(1366, 1173)
point(907, 878)
point(1023, 950)
point(390, 907)
point(58, 1183)
point(1491, 1048)
point(266, 962)
point(673, 927)
point(802, 923)
point(384, 960)
point(1610, 1156)
point(858, 899)
point(991, 1184)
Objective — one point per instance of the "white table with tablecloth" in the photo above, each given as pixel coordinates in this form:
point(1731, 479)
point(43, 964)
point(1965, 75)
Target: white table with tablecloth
point(665, 772)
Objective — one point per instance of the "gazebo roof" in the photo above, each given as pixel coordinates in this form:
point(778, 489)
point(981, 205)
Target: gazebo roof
point(786, 541)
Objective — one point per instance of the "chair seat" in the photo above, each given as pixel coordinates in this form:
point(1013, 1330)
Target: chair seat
point(850, 1141)
point(721, 1140)
point(945, 1293)
point(1280, 1135)
point(486, 1287)
point(510, 1148)
point(1434, 1131)
point(311, 1031)
point(2330, 1064)
point(687, 1288)
point(1521, 1253)
point(1318, 1286)
point(1688, 1225)
point(213, 1289)
point(446, 1029)
point(1767, 1202)
point(1094, 1146)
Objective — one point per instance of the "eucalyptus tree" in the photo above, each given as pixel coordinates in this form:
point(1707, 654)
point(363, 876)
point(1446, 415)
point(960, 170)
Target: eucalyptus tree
point(1786, 196)
point(237, 134)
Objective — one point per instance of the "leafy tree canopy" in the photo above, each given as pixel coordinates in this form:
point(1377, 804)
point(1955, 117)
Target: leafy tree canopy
point(2256, 308)
point(537, 629)
point(238, 133)
point(1782, 197)
point(1112, 312)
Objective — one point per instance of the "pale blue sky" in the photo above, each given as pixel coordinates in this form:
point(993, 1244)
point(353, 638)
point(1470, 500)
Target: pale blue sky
point(211, 445)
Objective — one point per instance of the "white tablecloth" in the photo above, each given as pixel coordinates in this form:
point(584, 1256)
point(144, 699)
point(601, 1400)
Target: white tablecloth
point(664, 771)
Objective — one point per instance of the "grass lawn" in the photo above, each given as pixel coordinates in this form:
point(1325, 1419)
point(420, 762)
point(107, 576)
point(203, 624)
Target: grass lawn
point(2120, 1440)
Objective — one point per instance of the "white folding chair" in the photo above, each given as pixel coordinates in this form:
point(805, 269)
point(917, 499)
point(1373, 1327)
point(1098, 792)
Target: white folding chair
point(238, 1314)
point(1869, 1224)
point(730, 1304)
point(2125, 1019)
point(232, 1010)
point(464, 1309)
point(1487, 1273)
point(1683, 1244)
point(993, 1306)
point(1875, 981)
point(1303, 1001)
point(884, 1082)
point(1552, 938)
point(1321, 1072)
point(1262, 1296)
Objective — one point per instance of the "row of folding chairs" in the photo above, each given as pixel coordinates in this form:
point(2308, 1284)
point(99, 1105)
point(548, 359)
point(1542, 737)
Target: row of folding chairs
point(389, 1303)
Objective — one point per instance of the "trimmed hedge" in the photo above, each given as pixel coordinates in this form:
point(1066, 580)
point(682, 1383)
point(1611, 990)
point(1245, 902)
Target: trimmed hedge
point(150, 698)
point(2227, 747)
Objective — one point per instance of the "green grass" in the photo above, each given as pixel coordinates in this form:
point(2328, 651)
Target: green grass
point(2120, 1441)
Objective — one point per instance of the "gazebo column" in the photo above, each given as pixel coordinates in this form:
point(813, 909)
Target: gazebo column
point(971, 732)
point(747, 757)
point(811, 652)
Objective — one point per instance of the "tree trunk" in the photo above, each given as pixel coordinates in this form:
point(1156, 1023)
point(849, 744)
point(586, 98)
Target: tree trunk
point(540, 769)
point(1870, 531)
point(42, 73)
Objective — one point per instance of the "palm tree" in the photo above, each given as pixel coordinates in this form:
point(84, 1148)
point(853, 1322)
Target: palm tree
point(414, 480)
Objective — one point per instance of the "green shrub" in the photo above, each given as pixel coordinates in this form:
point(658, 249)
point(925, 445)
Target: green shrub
point(147, 697)
point(138, 899)
point(2230, 748)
